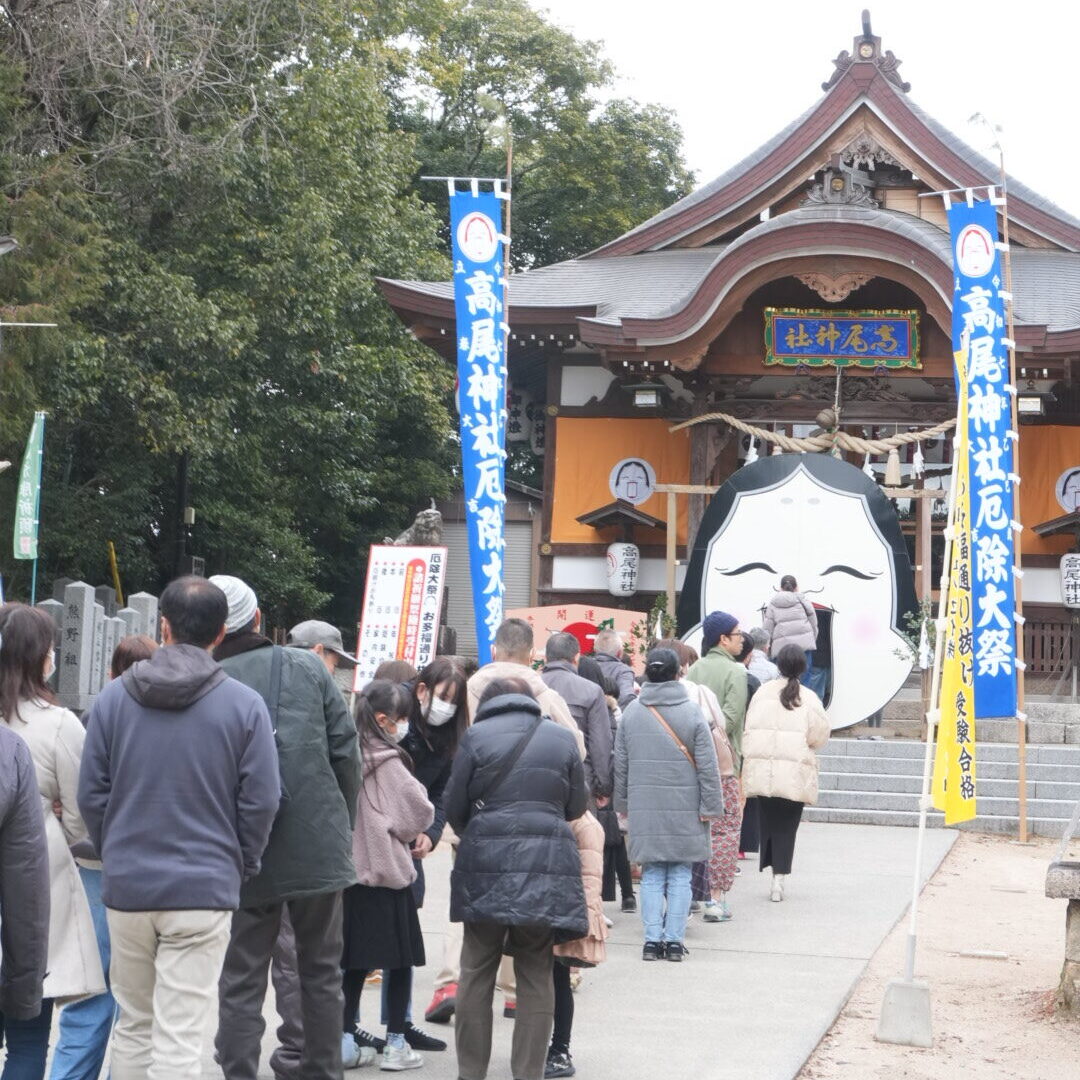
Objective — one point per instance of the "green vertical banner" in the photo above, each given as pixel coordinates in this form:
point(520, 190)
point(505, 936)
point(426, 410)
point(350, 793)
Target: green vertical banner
point(28, 501)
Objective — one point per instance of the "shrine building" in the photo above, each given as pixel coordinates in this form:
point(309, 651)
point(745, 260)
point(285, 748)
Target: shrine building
point(812, 272)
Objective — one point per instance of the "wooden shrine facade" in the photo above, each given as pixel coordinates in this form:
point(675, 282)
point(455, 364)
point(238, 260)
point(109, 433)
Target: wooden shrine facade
point(668, 321)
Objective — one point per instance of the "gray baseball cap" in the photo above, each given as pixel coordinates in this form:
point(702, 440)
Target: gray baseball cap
point(307, 635)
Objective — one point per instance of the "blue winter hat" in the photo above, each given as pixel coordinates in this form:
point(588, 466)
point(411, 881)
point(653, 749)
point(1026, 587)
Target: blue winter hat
point(717, 624)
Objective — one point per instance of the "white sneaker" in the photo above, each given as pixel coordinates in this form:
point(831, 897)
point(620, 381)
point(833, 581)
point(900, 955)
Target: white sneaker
point(355, 1056)
point(608, 923)
point(777, 893)
point(395, 1060)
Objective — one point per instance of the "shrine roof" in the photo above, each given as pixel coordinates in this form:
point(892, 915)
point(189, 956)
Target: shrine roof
point(986, 169)
point(659, 284)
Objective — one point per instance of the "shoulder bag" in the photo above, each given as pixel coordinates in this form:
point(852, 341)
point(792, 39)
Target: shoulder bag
point(675, 738)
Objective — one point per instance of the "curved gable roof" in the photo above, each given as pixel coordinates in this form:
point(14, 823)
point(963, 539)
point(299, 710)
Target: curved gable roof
point(860, 85)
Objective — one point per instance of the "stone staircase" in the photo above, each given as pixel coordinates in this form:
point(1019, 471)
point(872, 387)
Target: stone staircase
point(877, 781)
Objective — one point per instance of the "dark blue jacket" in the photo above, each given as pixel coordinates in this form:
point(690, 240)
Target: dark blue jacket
point(178, 784)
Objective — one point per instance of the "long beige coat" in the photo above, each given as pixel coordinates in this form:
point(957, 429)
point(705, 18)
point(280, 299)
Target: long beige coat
point(55, 738)
point(779, 744)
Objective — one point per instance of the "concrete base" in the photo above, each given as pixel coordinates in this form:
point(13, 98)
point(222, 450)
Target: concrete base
point(905, 1014)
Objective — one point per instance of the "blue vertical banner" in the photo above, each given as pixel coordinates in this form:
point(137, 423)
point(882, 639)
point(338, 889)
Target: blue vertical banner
point(480, 306)
point(980, 331)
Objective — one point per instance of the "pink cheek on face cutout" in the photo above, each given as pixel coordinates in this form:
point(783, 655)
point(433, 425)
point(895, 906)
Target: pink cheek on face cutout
point(867, 628)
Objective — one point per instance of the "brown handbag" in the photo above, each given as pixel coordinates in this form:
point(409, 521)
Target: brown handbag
point(675, 738)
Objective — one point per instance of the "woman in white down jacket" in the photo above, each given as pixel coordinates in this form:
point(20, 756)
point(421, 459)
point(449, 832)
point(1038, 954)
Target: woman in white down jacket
point(785, 724)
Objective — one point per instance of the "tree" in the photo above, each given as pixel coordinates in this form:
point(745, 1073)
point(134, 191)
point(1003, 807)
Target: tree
point(583, 171)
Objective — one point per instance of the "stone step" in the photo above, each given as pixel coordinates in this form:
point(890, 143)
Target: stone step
point(1006, 826)
point(912, 785)
point(908, 766)
point(1040, 754)
point(841, 799)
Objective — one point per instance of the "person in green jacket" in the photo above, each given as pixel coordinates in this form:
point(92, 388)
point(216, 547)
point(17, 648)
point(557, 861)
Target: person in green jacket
point(308, 859)
point(720, 670)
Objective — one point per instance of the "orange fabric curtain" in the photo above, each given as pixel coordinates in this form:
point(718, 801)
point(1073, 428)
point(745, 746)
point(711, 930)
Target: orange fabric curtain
point(1046, 451)
point(586, 450)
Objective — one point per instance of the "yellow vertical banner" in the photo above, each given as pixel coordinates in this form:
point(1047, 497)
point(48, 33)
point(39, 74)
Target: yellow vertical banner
point(953, 788)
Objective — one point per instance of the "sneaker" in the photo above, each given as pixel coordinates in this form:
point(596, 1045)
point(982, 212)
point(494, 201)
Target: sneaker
point(653, 950)
point(676, 951)
point(365, 1038)
point(608, 923)
point(695, 905)
point(398, 1059)
point(353, 1055)
point(442, 1005)
point(559, 1063)
point(712, 911)
point(421, 1040)
point(629, 903)
point(510, 1009)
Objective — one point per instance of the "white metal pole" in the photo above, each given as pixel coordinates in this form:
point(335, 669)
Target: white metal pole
point(933, 712)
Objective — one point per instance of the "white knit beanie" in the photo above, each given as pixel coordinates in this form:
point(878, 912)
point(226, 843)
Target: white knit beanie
point(241, 598)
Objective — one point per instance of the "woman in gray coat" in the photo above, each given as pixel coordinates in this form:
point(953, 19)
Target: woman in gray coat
point(668, 780)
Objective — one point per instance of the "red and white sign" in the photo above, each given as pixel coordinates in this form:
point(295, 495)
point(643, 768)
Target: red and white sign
point(402, 605)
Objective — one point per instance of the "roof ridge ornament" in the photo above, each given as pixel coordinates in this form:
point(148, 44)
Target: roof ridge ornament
point(866, 49)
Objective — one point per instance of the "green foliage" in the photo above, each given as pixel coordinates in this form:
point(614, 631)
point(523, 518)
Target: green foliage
point(659, 624)
point(204, 193)
point(584, 172)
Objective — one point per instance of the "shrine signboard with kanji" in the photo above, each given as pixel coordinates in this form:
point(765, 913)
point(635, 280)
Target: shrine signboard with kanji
point(830, 338)
point(1070, 580)
point(402, 608)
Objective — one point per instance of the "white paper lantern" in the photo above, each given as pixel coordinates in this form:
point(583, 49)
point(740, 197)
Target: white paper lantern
point(622, 569)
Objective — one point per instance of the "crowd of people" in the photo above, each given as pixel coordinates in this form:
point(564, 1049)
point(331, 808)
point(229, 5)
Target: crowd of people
point(219, 821)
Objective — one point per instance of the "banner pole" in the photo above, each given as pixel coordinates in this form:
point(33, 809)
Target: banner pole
point(1018, 575)
point(37, 512)
point(933, 712)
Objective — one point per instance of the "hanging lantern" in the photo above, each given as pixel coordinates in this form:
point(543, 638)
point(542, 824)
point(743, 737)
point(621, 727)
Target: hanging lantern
point(622, 568)
point(892, 469)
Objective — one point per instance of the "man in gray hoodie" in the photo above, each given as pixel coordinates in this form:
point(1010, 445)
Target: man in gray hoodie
point(178, 787)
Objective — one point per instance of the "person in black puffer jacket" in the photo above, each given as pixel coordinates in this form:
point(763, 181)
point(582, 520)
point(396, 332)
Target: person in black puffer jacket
point(517, 880)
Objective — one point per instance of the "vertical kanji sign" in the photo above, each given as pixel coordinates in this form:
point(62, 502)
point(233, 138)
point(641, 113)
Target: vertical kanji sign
point(979, 331)
point(28, 497)
point(402, 606)
point(480, 306)
point(953, 787)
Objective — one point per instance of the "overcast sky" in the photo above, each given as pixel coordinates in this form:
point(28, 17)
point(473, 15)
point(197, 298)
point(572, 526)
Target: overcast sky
point(735, 72)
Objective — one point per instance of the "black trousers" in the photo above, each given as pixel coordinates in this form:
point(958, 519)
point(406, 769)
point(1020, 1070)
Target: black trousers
point(617, 865)
point(317, 927)
point(779, 823)
point(750, 833)
point(564, 1009)
point(398, 992)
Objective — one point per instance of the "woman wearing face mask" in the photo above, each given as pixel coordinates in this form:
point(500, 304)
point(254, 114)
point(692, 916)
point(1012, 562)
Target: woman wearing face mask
point(382, 929)
point(55, 738)
point(437, 720)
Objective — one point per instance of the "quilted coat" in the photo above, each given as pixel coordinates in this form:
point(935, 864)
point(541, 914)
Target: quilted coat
point(517, 861)
point(779, 745)
point(790, 619)
point(666, 797)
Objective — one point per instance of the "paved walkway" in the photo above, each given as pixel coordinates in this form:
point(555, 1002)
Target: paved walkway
point(756, 994)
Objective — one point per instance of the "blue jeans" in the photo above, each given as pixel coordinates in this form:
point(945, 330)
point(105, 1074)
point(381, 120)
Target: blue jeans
point(85, 1026)
point(805, 680)
point(657, 881)
point(27, 1043)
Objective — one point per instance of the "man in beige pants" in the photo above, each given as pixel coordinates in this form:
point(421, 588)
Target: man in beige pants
point(178, 787)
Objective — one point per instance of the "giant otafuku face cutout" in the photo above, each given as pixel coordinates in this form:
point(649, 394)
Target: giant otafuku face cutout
point(831, 527)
